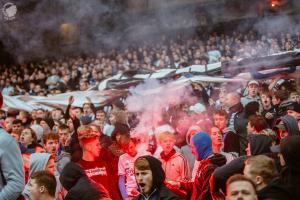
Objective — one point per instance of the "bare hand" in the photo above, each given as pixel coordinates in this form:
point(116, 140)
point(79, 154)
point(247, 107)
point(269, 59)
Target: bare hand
point(68, 141)
point(71, 100)
point(211, 102)
point(269, 115)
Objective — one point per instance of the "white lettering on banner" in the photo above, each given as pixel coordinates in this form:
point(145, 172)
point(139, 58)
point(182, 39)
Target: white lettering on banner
point(96, 171)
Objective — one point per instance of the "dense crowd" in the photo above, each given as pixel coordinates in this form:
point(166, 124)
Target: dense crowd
point(79, 73)
point(199, 150)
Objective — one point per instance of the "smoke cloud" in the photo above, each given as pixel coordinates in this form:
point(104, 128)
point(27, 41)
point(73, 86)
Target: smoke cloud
point(37, 30)
point(153, 99)
point(49, 28)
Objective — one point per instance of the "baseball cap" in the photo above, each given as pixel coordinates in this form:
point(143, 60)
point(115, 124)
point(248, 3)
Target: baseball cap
point(253, 82)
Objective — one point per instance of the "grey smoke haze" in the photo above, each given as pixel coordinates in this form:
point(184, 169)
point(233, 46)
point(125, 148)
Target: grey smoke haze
point(277, 24)
point(36, 30)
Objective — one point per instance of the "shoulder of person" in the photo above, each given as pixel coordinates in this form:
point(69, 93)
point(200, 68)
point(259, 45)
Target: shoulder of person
point(166, 194)
point(6, 139)
point(62, 156)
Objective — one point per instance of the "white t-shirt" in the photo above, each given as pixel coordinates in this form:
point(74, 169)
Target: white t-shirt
point(126, 167)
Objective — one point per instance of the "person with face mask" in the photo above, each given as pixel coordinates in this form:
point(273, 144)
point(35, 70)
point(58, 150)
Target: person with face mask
point(199, 188)
point(150, 179)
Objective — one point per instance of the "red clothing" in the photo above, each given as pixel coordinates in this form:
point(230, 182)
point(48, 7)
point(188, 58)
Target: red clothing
point(99, 172)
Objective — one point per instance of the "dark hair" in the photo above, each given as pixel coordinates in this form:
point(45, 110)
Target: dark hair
point(125, 139)
point(63, 127)
point(33, 135)
point(100, 110)
point(251, 108)
point(17, 121)
point(46, 179)
point(61, 110)
point(258, 122)
point(50, 136)
point(266, 92)
point(120, 129)
point(221, 112)
point(281, 94)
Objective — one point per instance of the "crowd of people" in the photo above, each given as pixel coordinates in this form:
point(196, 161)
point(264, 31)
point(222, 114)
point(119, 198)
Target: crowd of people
point(89, 153)
point(242, 144)
point(79, 73)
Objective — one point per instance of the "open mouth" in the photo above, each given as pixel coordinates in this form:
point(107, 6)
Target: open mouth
point(142, 185)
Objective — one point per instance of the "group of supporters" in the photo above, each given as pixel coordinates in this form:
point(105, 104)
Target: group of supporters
point(233, 141)
point(243, 142)
point(53, 76)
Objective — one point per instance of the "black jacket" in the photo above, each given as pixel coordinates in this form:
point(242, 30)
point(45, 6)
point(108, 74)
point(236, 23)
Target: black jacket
point(160, 191)
point(290, 175)
point(240, 125)
point(163, 194)
point(259, 144)
point(274, 191)
point(200, 188)
point(79, 186)
point(231, 141)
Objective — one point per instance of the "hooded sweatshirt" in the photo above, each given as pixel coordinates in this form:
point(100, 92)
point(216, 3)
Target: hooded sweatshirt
point(37, 162)
point(175, 166)
point(199, 188)
point(158, 191)
point(79, 186)
point(259, 144)
point(186, 151)
point(203, 145)
point(274, 190)
point(290, 150)
point(291, 125)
